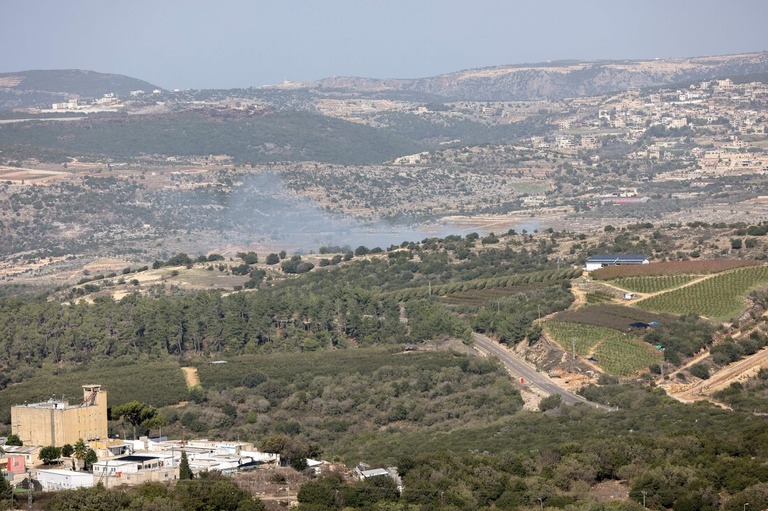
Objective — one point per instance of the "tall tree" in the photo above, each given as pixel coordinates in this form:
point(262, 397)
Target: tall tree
point(6, 491)
point(156, 422)
point(185, 473)
point(90, 459)
point(135, 413)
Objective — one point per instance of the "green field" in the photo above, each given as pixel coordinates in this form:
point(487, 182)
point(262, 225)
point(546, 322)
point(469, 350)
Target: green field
point(598, 297)
point(616, 353)
point(720, 297)
point(285, 367)
point(652, 284)
point(519, 282)
point(156, 383)
point(530, 187)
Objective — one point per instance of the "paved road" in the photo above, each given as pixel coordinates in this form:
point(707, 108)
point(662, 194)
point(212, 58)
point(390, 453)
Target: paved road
point(522, 369)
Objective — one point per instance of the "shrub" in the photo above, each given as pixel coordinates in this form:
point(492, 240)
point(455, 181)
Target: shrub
point(700, 370)
point(550, 402)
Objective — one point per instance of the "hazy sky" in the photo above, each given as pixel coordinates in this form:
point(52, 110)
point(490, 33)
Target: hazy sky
point(239, 43)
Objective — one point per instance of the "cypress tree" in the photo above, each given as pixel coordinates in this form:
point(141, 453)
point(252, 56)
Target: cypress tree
point(184, 471)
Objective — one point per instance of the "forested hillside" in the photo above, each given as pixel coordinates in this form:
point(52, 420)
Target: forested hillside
point(274, 136)
point(360, 303)
point(368, 357)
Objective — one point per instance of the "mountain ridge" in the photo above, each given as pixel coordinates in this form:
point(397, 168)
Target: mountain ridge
point(514, 82)
point(566, 78)
point(78, 82)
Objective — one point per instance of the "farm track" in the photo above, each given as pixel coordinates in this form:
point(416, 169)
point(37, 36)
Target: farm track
point(662, 291)
point(580, 299)
point(737, 371)
point(191, 376)
point(695, 360)
point(733, 372)
point(594, 348)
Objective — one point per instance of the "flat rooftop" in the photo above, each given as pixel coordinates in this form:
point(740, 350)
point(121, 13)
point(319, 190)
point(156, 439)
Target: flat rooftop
point(54, 404)
point(137, 458)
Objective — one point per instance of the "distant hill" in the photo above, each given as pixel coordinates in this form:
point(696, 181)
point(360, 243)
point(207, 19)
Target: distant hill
point(68, 82)
point(274, 136)
point(556, 80)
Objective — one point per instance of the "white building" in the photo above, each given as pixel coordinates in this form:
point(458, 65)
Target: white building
point(136, 469)
point(600, 261)
point(57, 479)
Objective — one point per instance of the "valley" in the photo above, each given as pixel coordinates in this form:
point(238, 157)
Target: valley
point(391, 273)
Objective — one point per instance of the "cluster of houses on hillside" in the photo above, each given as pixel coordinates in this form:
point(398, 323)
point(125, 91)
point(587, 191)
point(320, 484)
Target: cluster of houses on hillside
point(57, 422)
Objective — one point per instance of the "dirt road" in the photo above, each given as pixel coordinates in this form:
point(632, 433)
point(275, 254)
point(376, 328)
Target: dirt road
point(737, 371)
point(190, 374)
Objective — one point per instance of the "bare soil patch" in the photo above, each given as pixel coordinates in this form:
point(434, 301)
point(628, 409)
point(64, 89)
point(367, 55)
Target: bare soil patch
point(190, 374)
point(23, 174)
point(610, 490)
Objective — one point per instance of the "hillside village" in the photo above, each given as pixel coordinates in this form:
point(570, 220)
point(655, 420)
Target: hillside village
point(112, 461)
point(660, 155)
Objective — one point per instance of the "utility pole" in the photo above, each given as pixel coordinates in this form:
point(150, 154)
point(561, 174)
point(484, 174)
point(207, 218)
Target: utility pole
point(573, 352)
point(644, 494)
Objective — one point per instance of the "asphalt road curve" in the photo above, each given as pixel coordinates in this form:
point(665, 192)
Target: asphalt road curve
point(528, 373)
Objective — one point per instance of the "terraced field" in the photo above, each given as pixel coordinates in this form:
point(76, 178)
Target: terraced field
point(615, 352)
point(720, 297)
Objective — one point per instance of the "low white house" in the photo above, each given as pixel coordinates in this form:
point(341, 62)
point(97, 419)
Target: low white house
point(57, 479)
point(600, 261)
point(136, 469)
